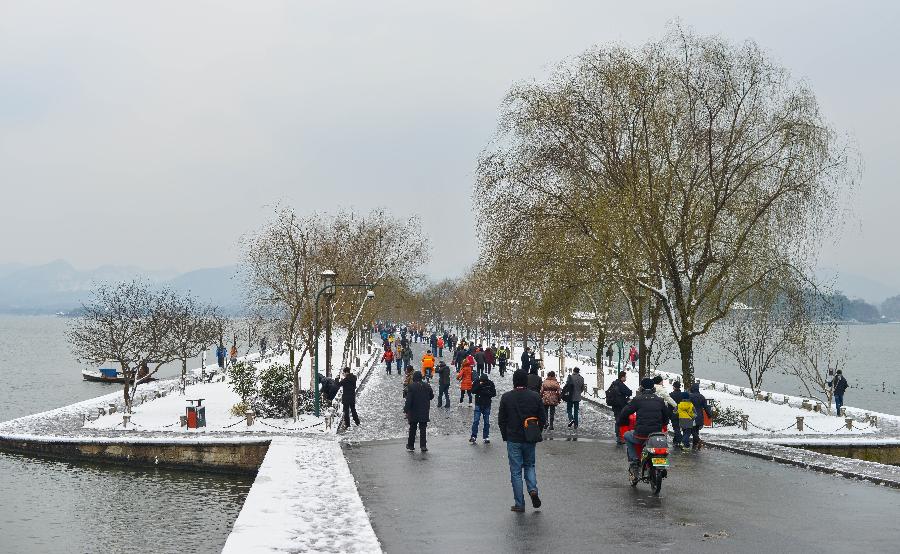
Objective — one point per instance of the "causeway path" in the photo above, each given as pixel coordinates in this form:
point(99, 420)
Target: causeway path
point(456, 497)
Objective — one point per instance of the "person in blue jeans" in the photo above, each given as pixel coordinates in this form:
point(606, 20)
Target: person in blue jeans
point(484, 390)
point(515, 406)
point(839, 386)
point(443, 375)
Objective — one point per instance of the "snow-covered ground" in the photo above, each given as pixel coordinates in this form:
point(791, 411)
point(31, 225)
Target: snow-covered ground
point(304, 499)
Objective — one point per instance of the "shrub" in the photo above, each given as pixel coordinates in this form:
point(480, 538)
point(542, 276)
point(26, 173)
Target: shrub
point(275, 391)
point(242, 377)
point(727, 417)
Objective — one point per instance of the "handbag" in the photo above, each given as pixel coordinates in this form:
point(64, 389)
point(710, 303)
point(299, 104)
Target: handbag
point(532, 429)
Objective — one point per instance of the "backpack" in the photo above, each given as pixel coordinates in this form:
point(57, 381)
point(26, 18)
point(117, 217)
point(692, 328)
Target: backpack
point(532, 429)
point(612, 395)
point(567, 392)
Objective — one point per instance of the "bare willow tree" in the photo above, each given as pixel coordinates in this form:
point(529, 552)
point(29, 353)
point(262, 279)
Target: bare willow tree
point(282, 262)
point(193, 325)
point(130, 324)
point(699, 165)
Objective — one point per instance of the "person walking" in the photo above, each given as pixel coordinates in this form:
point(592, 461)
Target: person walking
point(617, 397)
point(443, 374)
point(479, 360)
point(526, 359)
point(576, 381)
point(534, 380)
point(667, 398)
point(550, 394)
point(427, 365)
point(489, 359)
point(417, 409)
point(388, 358)
point(701, 407)
point(633, 356)
point(220, 355)
point(407, 356)
point(464, 376)
point(686, 417)
point(233, 355)
point(263, 342)
point(484, 390)
point(675, 395)
point(348, 400)
point(502, 359)
point(609, 354)
point(407, 379)
point(839, 385)
point(521, 409)
point(440, 347)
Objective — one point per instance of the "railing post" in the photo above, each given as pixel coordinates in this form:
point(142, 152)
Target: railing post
point(800, 423)
point(744, 418)
point(849, 422)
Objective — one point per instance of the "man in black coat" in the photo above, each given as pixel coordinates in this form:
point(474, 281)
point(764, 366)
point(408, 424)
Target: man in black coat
point(416, 409)
point(515, 406)
point(526, 359)
point(839, 386)
point(348, 400)
point(652, 414)
point(484, 390)
point(619, 398)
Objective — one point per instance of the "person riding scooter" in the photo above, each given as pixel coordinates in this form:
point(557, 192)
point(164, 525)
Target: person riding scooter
point(651, 415)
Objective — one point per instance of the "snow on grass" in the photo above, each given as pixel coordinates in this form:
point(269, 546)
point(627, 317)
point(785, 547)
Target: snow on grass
point(304, 499)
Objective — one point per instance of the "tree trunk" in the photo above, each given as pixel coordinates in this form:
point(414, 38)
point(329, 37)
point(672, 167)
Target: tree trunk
point(328, 339)
point(642, 353)
point(183, 375)
point(686, 350)
point(601, 337)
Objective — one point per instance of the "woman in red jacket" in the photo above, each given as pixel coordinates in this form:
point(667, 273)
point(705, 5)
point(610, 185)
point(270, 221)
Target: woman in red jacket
point(464, 376)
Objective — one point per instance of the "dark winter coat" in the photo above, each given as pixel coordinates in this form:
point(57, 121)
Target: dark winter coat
point(418, 401)
point(577, 382)
point(515, 406)
point(348, 385)
point(623, 394)
point(840, 385)
point(443, 372)
point(652, 413)
point(484, 391)
point(479, 358)
point(526, 361)
point(534, 382)
point(489, 357)
point(701, 406)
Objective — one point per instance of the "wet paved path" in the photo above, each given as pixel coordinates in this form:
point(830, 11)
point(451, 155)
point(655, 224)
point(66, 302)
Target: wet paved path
point(457, 496)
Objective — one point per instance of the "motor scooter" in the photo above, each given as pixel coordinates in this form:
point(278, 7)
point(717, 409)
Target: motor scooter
point(653, 456)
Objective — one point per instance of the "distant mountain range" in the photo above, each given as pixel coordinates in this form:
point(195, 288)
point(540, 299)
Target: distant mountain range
point(857, 286)
point(59, 287)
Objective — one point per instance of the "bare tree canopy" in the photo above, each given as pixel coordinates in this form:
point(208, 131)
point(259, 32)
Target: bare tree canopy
point(698, 169)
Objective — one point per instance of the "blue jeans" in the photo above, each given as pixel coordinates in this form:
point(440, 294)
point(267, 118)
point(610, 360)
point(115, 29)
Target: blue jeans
point(521, 457)
point(481, 412)
point(444, 392)
point(630, 441)
point(572, 411)
point(838, 402)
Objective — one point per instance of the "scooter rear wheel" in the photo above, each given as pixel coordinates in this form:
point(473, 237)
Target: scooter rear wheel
point(656, 478)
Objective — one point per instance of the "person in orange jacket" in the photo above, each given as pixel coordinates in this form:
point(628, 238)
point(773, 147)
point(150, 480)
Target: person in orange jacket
point(388, 358)
point(464, 376)
point(427, 365)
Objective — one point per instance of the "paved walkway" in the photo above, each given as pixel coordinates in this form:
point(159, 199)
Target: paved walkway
point(457, 496)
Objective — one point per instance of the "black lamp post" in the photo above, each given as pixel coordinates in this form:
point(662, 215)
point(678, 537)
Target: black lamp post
point(329, 288)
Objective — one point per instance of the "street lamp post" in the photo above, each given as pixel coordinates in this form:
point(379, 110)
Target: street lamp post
point(328, 288)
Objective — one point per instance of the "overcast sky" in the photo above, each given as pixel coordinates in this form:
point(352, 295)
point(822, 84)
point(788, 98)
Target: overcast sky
point(156, 133)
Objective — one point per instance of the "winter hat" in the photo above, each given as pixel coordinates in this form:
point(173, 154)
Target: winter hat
point(647, 383)
point(417, 376)
point(520, 378)
point(685, 396)
point(676, 385)
point(483, 377)
point(657, 379)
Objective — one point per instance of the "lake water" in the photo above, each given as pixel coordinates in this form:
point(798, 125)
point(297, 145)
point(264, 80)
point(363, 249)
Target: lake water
point(54, 506)
point(872, 368)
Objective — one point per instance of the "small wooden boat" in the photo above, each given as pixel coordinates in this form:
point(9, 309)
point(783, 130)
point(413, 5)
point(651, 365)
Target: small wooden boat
point(109, 374)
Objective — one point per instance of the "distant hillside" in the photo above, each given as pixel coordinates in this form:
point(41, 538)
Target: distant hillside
point(57, 286)
point(857, 286)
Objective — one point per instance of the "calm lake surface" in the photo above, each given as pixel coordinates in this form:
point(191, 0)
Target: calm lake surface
point(55, 506)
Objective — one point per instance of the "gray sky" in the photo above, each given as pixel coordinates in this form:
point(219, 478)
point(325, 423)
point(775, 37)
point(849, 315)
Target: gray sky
point(156, 133)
